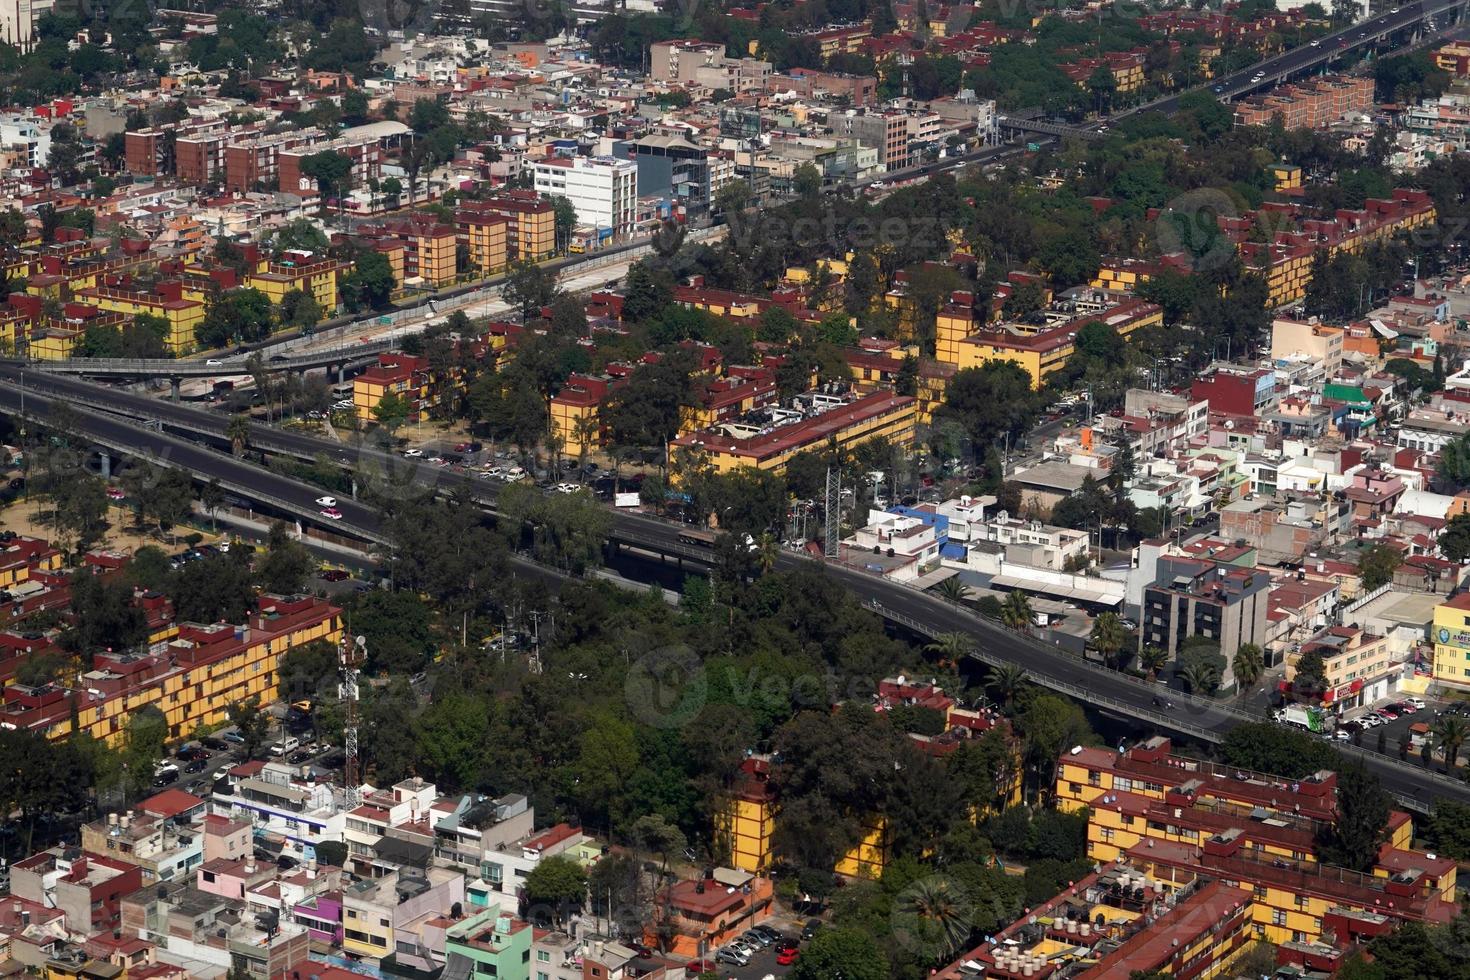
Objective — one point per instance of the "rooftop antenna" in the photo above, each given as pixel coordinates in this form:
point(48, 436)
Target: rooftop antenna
point(351, 654)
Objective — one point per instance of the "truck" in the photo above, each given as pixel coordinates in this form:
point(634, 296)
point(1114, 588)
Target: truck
point(1302, 716)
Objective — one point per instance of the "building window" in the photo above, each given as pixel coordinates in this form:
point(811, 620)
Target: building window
point(1278, 917)
point(542, 956)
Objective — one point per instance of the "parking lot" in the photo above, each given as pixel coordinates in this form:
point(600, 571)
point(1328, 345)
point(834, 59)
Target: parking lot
point(1396, 729)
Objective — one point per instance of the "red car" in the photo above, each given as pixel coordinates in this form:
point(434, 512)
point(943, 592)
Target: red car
point(696, 967)
point(335, 575)
point(787, 954)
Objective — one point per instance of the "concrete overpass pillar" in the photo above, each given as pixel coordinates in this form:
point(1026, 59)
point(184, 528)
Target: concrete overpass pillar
point(104, 465)
point(173, 388)
point(354, 487)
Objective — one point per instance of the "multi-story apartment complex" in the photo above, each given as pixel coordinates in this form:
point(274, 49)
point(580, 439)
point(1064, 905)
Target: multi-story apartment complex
point(1312, 104)
point(430, 247)
point(603, 190)
point(362, 151)
point(255, 163)
point(199, 672)
point(1197, 597)
point(847, 424)
point(531, 222)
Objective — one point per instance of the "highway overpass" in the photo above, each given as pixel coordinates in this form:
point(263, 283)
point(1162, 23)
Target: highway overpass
point(920, 612)
point(230, 366)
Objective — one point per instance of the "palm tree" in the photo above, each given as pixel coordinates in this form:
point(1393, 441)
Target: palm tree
point(1015, 612)
point(767, 550)
point(951, 647)
point(933, 916)
point(238, 432)
point(1006, 681)
point(1108, 636)
point(1152, 659)
point(1248, 665)
point(952, 589)
point(1200, 677)
point(1450, 732)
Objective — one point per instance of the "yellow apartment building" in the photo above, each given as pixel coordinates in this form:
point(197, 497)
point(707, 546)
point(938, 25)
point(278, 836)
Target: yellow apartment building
point(1287, 176)
point(319, 280)
point(487, 237)
point(1041, 354)
point(881, 415)
point(1452, 642)
point(182, 315)
point(193, 682)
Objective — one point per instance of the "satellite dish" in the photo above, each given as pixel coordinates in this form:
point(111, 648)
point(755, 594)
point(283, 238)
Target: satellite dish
point(361, 641)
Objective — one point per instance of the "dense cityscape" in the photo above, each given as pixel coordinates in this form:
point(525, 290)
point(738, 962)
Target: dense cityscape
point(823, 489)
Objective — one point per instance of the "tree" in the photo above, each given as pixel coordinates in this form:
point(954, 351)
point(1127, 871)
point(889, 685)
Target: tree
point(529, 287)
point(1449, 828)
point(1006, 682)
point(1361, 825)
point(106, 618)
point(953, 590)
point(1152, 659)
point(556, 887)
point(990, 402)
point(1201, 665)
point(806, 180)
point(1310, 676)
point(251, 722)
point(566, 221)
point(391, 411)
point(300, 309)
point(236, 315)
point(1016, 610)
point(850, 954)
point(1269, 747)
point(218, 588)
point(238, 432)
point(1377, 565)
point(648, 293)
point(1108, 636)
point(1450, 732)
point(1454, 540)
point(1248, 664)
point(284, 567)
point(370, 283)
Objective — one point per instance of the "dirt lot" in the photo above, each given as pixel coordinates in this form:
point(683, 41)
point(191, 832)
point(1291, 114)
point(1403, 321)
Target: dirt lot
point(25, 518)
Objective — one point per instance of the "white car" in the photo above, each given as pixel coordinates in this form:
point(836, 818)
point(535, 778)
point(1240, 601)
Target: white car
point(214, 362)
point(1416, 702)
point(326, 501)
point(567, 488)
point(413, 453)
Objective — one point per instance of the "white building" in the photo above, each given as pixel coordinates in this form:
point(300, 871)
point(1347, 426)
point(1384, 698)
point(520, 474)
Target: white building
point(22, 133)
point(604, 190)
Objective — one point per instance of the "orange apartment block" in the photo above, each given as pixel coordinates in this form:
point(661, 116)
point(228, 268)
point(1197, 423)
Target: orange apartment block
point(1309, 105)
point(708, 912)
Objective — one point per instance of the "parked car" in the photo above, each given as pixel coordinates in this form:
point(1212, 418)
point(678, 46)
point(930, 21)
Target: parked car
point(733, 955)
point(166, 778)
point(755, 938)
point(695, 967)
point(1387, 713)
point(776, 935)
point(413, 453)
point(213, 744)
point(1418, 703)
point(335, 575)
point(812, 927)
point(196, 766)
point(787, 953)
point(234, 738)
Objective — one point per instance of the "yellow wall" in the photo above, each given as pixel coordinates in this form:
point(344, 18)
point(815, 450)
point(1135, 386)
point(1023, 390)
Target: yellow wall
point(870, 856)
point(201, 695)
point(746, 826)
point(1452, 645)
point(895, 425)
point(487, 244)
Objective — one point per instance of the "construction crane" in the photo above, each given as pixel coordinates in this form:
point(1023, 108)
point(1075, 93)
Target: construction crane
point(350, 657)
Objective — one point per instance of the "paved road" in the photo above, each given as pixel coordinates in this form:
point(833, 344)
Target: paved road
point(1299, 59)
point(921, 612)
